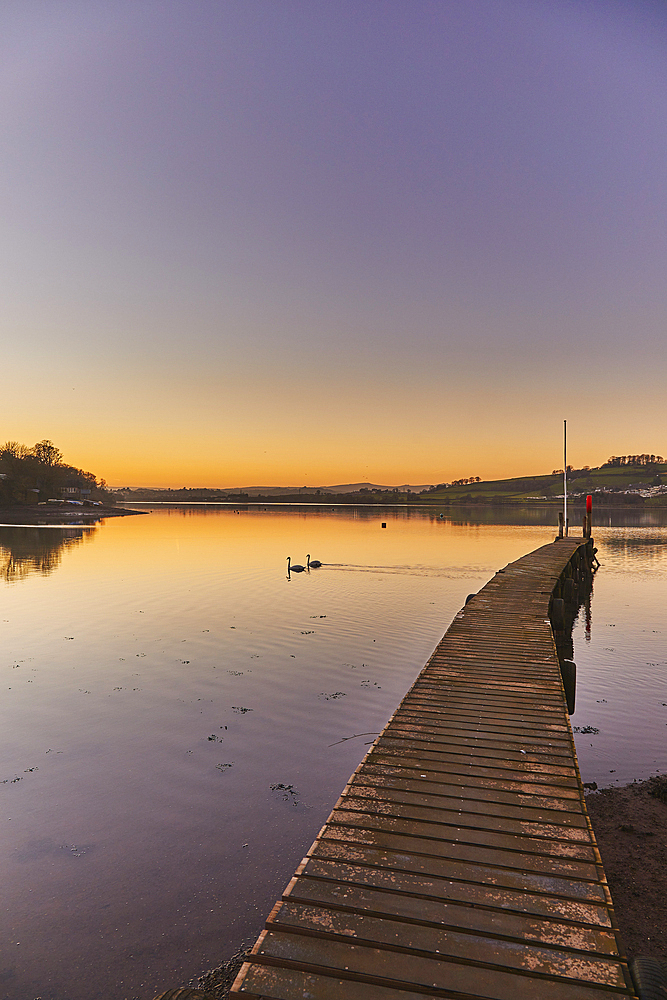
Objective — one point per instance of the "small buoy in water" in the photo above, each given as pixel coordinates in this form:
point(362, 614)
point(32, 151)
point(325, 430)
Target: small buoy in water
point(384, 524)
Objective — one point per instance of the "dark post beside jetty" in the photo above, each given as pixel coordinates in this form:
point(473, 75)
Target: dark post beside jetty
point(460, 860)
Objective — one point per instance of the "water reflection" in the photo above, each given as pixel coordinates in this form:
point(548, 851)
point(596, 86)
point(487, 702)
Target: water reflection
point(577, 593)
point(24, 551)
point(638, 547)
point(588, 616)
point(622, 663)
point(165, 688)
point(459, 515)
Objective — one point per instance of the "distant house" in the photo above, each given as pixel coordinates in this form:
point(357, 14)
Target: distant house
point(71, 487)
point(72, 490)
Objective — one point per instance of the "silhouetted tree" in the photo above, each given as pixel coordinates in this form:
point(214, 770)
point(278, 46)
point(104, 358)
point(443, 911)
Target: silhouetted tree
point(47, 453)
point(27, 474)
point(616, 461)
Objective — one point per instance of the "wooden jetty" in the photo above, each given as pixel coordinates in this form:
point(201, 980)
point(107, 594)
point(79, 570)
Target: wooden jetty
point(460, 861)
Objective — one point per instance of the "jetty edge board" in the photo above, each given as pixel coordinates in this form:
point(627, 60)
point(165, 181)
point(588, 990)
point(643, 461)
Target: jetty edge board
point(459, 860)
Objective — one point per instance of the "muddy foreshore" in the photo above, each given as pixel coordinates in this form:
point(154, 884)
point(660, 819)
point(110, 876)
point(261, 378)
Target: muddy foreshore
point(630, 826)
point(60, 514)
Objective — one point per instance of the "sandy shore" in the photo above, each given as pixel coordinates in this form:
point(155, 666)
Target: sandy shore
point(57, 514)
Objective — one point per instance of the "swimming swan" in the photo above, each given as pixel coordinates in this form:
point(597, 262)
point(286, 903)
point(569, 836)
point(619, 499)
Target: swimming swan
point(312, 564)
point(296, 568)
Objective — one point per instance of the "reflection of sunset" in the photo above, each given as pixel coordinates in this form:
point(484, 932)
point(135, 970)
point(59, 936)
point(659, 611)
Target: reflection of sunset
point(167, 675)
point(225, 540)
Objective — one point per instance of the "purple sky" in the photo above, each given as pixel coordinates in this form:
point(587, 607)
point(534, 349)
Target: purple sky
point(260, 242)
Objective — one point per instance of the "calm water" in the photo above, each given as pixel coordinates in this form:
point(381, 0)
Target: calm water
point(177, 714)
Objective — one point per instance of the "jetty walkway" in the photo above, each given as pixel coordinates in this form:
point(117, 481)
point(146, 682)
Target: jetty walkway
point(460, 861)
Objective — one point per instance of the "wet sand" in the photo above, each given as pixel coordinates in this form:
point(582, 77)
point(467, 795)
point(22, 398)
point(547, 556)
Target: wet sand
point(630, 825)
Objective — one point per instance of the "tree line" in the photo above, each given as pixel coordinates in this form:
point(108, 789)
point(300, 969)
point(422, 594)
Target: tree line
point(466, 481)
point(33, 475)
point(617, 460)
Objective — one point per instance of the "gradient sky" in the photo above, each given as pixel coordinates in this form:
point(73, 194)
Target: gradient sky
point(258, 242)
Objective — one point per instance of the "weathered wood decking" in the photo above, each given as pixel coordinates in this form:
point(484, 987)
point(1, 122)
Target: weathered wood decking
point(459, 860)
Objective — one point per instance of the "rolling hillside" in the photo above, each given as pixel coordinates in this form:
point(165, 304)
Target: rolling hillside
point(628, 483)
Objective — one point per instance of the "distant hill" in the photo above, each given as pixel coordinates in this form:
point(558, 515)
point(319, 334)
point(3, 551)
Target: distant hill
point(268, 491)
point(629, 483)
point(637, 480)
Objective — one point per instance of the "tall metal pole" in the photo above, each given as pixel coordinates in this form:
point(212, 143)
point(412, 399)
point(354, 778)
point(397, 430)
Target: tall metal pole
point(565, 475)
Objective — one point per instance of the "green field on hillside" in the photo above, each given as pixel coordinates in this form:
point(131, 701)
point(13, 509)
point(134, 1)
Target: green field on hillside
point(550, 487)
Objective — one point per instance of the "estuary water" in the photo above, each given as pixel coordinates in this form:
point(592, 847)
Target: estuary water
point(179, 716)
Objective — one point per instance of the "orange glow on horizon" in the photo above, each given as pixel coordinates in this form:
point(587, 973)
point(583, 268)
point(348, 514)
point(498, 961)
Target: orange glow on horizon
point(176, 435)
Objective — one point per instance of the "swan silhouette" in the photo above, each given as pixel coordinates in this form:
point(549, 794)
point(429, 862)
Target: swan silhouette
point(312, 563)
point(296, 568)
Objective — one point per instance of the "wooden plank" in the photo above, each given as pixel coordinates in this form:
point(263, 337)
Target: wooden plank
point(264, 982)
point(481, 736)
point(400, 938)
point(527, 763)
point(542, 810)
point(559, 863)
point(478, 743)
point(556, 884)
point(460, 722)
point(473, 885)
point(430, 973)
point(480, 819)
point(448, 826)
point(444, 914)
point(485, 777)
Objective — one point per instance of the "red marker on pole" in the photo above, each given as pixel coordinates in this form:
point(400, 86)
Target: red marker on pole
point(589, 504)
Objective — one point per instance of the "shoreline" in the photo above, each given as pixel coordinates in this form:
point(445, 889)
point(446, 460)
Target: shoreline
point(630, 827)
point(36, 515)
point(578, 505)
